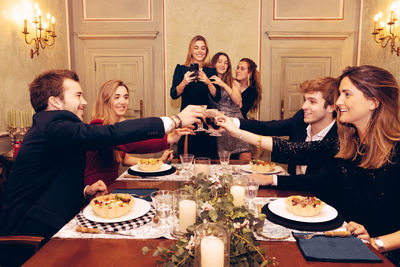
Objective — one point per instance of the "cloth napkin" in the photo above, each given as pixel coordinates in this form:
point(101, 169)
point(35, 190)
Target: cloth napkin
point(336, 249)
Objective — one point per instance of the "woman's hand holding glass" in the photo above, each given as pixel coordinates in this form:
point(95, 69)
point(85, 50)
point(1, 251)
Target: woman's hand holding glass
point(227, 124)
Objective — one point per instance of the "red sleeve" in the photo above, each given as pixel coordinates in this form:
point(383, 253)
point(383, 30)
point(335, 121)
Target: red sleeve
point(146, 146)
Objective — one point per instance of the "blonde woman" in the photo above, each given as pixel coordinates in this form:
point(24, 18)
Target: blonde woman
point(362, 169)
point(111, 105)
point(191, 83)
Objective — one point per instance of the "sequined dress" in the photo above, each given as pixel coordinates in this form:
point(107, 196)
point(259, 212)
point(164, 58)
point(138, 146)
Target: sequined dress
point(230, 109)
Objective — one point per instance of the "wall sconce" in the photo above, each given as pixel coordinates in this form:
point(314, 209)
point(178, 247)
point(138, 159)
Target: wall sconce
point(384, 35)
point(44, 34)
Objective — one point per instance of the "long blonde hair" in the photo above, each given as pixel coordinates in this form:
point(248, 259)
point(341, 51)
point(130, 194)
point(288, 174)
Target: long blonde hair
point(103, 107)
point(206, 60)
point(378, 146)
point(254, 81)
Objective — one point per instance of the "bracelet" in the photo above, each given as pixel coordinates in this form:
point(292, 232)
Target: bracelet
point(173, 120)
point(259, 145)
point(180, 121)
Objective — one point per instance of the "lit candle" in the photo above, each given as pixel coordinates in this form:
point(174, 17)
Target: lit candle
point(187, 214)
point(26, 119)
point(53, 24)
point(48, 16)
point(9, 118)
point(40, 18)
point(14, 122)
point(25, 25)
point(21, 121)
point(212, 252)
point(35, 8)
point(238, 193)
point(201, 168)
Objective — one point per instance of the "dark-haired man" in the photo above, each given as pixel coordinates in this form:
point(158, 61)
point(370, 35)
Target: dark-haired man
point(45, 189)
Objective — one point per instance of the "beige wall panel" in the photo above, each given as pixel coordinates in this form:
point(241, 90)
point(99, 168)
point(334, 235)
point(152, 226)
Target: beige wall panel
point(371, 52)
point(107, 10)
point(17, 69)
point(229, 26)
point(310, 9)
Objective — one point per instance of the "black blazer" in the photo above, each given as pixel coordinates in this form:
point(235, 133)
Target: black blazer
point(46, 182)
point(294, 127)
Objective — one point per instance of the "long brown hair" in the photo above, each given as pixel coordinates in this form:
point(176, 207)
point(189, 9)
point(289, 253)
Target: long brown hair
point(103, 107)
point(206, 60)
point(254, 81)
point(383, 131)
point(227, 76)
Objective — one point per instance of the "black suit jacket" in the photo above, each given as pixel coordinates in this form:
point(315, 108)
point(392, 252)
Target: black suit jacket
point(45, 188)
point(294, 127)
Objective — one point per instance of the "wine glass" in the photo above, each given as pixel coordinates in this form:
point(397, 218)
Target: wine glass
point(186, 161)
point(163, 203)
point(251, 192)
point(224, 157)
point(210, 120)
point(200, 127)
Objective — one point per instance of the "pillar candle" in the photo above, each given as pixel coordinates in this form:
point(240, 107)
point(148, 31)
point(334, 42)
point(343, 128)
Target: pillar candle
point(198, 168)
point(238, 193)
point(187, 214)
point(212, 252)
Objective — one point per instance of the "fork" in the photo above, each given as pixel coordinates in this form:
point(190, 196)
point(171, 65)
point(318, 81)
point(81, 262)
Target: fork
point(328, 233)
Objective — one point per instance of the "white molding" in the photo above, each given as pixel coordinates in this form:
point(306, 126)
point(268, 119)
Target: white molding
point(272, 35)
point(118, 35)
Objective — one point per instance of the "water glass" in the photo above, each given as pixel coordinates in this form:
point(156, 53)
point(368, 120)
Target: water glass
point(251, 192)
point(202, 165)
point(163, 203)
point(187, 163)
point(224, 157)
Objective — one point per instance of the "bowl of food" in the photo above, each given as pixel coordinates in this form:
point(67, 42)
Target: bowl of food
point(150, 164)
point(262, 166)
point(304, 206)
point(112, 205)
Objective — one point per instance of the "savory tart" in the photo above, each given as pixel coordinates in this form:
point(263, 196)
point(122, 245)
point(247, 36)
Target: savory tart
point(112, 205)
point(262, 166)
point(304, 206)
point(150, 164)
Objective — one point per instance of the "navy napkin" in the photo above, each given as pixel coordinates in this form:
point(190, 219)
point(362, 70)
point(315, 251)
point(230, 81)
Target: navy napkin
point(140, 192)
point(336, 249)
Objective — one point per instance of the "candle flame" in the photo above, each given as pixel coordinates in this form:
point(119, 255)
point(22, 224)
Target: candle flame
point(48, 15)
point(53, 20)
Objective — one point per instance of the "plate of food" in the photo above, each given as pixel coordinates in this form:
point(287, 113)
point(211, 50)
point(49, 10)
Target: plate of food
point(150, 166)
point(303, 209)
point(113, 208)
point(261, 166)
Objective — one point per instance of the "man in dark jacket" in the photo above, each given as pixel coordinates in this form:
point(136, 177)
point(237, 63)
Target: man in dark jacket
point(45, 189)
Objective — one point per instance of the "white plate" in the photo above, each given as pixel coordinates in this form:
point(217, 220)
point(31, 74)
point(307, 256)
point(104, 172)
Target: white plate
point(140, 208)
point(278, 207)
point(164, 167)
point(247, 168)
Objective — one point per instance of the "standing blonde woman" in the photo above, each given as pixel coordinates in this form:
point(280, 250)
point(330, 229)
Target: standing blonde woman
point(111, 105)
point(361, 176)
point(230, 104)
point(194, 87)
point(250, 87)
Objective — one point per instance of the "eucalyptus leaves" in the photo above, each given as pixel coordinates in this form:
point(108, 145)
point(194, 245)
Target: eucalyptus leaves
point(215, 205)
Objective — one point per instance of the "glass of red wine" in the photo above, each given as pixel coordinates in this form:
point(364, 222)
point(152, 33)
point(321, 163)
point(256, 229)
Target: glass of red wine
point(200, 127)
point(210, 120)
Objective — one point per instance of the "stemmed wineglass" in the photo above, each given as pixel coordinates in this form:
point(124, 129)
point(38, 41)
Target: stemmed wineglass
point(186, 161)
point(210, 120)
point(163, 203)
point(200, 127)
point(224, 157)
point(251, 192)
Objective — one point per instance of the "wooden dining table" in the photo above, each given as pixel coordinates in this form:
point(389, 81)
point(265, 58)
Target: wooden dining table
point(128, 252)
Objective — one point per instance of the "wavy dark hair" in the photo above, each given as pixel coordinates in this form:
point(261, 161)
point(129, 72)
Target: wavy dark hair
point(254, 81)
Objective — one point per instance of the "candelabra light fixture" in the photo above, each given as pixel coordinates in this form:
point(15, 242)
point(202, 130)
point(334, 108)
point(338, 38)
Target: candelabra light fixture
point(385, 33)
point(44, 34)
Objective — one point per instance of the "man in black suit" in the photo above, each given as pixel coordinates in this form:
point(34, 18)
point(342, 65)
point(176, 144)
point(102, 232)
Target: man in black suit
point(315, 121)
point(45, 189)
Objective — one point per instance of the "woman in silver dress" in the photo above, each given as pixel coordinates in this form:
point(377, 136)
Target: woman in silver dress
point(230, 104)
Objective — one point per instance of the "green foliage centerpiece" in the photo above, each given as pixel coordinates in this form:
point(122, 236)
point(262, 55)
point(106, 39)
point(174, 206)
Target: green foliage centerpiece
point(215, 204)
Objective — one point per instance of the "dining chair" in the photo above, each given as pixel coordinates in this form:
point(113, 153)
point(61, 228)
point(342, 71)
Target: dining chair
point(15, 250)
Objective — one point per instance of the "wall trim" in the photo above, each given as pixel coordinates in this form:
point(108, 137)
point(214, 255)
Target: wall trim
point(118, 35)
point(306, 35)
